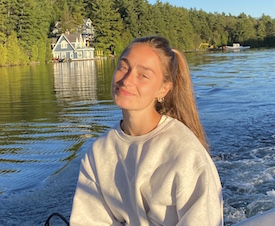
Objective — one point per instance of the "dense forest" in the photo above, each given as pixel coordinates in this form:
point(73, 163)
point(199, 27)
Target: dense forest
point(25, 26)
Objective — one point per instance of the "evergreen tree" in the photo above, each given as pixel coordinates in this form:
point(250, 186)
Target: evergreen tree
point(3, 54)
point(195, 21)
point(130, 17)
point(27, 28)
point(231, 24)
point(3, 22)
point(12, 12)
point(244, 29)
point(13, 50)
point(67, 22)
point(88, 5)
point(261, 31)
point(158, 24)
point(185, 32)
point(205, 32)
point(173, 24)
point(108, 25)
point(43, 21)
point(269, 24)
point(220, 35)
point(143, 17)
point(77, 9)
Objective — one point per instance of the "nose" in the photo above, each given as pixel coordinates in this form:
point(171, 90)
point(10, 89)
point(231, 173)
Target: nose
point(128, 78)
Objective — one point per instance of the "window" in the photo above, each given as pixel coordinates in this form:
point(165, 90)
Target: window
point(79, 54)
point(64, 44)
point(63, 55)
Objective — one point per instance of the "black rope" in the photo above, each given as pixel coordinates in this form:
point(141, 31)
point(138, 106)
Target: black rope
point(47, 223)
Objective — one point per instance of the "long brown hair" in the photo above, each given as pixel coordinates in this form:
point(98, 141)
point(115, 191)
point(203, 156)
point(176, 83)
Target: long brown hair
point(180, 101)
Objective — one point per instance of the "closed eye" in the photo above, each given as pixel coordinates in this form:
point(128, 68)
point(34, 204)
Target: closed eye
point(144, 76)
point(123, 65)
point(123, 68)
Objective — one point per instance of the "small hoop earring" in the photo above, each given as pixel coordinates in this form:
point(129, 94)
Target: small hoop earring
point(160, 99)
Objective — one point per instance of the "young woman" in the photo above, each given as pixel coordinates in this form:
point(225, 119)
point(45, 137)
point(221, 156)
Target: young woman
point(153, 167)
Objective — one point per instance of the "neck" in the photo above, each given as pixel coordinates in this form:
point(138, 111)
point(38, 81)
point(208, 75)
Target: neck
point(137, 124)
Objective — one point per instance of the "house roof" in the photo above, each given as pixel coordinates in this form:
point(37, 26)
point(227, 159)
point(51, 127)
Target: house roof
point(59, 39)
point(72, 37)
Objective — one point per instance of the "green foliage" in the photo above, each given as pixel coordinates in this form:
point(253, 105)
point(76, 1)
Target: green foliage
point(67, 22)
point(3, 22)
point(25, 26)
point(23, 57)
point(24, 23)
point(34, 53)
point(108, 25)
point(13, 50)
point(48, 50)
point(77, 9)
point(3, 55)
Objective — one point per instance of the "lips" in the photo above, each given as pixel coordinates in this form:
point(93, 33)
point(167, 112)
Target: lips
point(123, 91)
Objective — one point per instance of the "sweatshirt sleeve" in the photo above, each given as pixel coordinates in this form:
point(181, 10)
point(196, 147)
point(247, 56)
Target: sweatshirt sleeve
point(201, 202)
point(89, 206)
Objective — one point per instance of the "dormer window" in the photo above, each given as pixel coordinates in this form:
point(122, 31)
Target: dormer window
point(64, 44)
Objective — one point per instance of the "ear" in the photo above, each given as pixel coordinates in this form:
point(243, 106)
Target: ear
point(166, 87)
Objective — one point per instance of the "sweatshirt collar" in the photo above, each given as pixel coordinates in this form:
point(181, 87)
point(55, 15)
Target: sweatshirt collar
point(164, 121)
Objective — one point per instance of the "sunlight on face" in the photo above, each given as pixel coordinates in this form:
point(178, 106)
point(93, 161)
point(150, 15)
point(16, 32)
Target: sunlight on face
point(138, 79)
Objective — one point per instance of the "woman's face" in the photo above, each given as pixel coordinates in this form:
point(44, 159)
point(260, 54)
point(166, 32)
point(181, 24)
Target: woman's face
point(138, 79)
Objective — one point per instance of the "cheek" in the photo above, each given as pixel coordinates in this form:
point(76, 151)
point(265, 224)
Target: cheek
point(148, 92)
point(152, 89)
point(117, 76)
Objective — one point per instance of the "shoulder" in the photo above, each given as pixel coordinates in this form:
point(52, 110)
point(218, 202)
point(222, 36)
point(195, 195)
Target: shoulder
point(103, 143)
point(179, 134)
point(187, 154)
point(109, 136)
point(181, 145)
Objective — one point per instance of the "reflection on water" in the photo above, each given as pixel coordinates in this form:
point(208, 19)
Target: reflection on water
point(50, 114)
point(47, 112)
point(75, 80)
point(26, 93)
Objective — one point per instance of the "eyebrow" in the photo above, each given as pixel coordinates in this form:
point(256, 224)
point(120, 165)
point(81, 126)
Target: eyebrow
point(139, 66)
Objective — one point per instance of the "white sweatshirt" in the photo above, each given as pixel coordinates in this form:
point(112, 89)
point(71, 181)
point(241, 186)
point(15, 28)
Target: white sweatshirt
point(165, 177)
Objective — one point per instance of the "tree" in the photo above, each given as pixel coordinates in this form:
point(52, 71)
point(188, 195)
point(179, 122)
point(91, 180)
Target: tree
point(108, 25)
point(13, 50)
point(244, 29)
point(77, 9)
point(3, 55)
point(67, 22)
point(261, 31)
point(3, 22)
point(185, 31)
point(27, 27)
point(12, 12)
point(158, 24)
point(195, 21)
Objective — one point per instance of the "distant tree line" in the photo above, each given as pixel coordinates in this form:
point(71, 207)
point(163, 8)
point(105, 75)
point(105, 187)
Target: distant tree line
point(25, 26)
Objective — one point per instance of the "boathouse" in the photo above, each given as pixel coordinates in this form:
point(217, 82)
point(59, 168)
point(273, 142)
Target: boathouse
point(72, 47)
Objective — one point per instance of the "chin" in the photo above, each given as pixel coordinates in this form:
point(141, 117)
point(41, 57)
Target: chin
point(124, 104)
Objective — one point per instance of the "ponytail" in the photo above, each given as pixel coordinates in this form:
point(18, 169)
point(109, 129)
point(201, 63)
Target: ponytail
point(180, 101)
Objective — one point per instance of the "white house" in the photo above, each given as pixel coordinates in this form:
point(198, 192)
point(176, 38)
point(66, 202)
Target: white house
point(72, 47)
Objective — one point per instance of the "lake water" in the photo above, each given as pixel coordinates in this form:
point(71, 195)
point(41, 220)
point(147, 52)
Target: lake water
point(51, 113)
